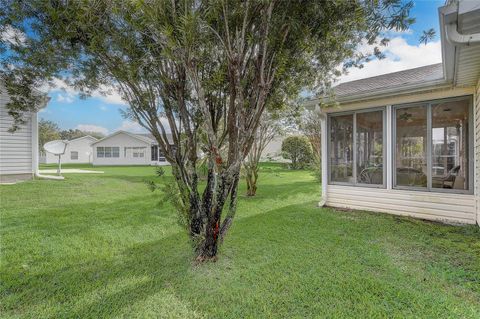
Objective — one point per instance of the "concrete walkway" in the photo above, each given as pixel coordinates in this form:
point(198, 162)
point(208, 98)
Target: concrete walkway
point(69, 170)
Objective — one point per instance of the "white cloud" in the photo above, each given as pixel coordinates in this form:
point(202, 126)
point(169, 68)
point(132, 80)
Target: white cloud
point(107, 94)
point(394, 33)
point(12, 35)
point(132, 127)
point(92, 128)
point(399, 56)
point(65, 98)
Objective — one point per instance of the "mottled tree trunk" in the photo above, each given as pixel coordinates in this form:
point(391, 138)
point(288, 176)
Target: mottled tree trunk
point(251, 178)
point(214, 198)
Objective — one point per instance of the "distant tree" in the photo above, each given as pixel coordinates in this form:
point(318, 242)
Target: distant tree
point(310, 125)
point(270, 127)
point(298, 150)
point(427, 35)
point(47, 131)
point(76, 133)
point(208, 68)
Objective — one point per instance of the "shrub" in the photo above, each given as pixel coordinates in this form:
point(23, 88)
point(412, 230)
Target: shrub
point(298, 150)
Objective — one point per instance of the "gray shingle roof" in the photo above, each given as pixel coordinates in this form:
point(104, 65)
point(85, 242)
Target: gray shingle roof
point(390, 80)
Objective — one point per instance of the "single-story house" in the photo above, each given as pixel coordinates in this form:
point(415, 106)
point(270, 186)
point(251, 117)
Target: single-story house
point(273, 150)
point(18, 150)
point(125, 148)
point(408, 143)
point(78, 151)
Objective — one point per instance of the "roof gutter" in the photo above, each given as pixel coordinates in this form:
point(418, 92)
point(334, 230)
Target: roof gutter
point(451, 39)
point(458, 39)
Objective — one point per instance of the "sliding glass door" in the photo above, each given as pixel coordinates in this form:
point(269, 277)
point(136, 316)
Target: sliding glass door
point(411, 146)
point(369, 148)
point(450, 161)
point(356, 148)
point(431, 146)
point(341, 148)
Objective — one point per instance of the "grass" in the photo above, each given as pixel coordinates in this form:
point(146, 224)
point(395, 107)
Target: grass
point(100, 246)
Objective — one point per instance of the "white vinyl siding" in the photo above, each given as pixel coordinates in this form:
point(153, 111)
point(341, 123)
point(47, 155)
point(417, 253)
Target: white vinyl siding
point(82, 146)
point(16, 148)
point(438, 206)
point(121, 145)
point(456, 208)
point(108, 151)
point(134, 152)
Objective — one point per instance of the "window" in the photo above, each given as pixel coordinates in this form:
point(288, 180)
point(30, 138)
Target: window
point(356, 148)
point(100, 151)
point(135, 152)
point(450, 145)
point(154, 150)
point(73, 155)
point(432, 141)
point(107, 151)
point(161, 156)
point(139, 152)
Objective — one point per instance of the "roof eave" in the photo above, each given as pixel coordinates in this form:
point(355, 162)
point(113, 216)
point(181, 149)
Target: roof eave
point(410, 88)
point(127, 133)
point(82, 137)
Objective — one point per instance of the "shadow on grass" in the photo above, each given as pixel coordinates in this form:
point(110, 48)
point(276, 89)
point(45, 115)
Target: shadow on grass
point(296, 260)
point(102, 288)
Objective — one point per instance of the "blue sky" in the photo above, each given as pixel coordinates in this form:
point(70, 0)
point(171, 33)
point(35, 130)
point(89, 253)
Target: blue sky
point(102, 113)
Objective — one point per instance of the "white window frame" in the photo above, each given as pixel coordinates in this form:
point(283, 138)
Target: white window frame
point(136, 151)
point(115, 151)
point(470, 146)
point(100, 150)
point(108, 151)
point(72, 157)
point(354, 147)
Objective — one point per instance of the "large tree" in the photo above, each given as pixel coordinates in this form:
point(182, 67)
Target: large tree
point(47, 131)
point(208, 68)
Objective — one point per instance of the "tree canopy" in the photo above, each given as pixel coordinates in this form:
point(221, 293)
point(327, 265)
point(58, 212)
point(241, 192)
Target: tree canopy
point(207, 68)
point(47, 131)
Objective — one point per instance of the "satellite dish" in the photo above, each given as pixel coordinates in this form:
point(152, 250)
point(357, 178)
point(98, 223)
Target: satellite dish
point(58, 148)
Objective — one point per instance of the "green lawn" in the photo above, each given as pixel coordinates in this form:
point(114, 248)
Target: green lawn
point(101, 247)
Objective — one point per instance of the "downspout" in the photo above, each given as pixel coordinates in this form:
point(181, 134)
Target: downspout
point(464, 40)
point(35, 150)
point(34, 141)
point(324, 147)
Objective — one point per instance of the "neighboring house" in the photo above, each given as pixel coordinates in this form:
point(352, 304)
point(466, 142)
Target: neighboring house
point(125, 148)
point(78, 151)
point(273, 150)
point(18, 150)
point(408, 143)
